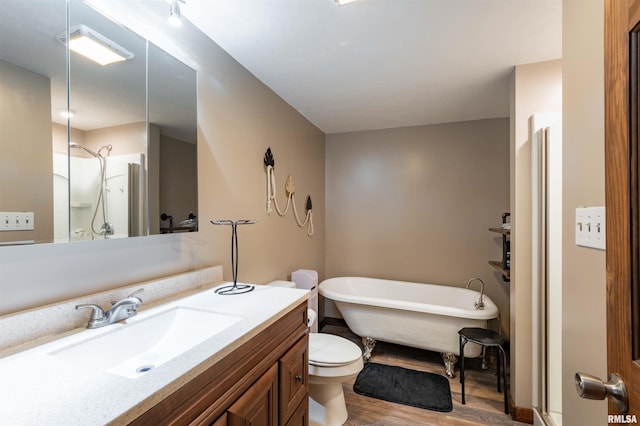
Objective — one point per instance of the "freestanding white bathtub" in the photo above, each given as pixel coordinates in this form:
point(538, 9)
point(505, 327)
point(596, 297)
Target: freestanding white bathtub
point(424, 316)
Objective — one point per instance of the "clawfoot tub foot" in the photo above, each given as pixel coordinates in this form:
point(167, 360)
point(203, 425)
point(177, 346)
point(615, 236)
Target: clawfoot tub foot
point(369, 344)
point(449, 364)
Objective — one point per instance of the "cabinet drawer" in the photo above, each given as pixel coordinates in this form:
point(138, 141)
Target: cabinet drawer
point(294, 376)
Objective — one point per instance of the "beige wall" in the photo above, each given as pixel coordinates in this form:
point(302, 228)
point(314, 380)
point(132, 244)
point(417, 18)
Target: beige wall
point(26, 164)
point(584, 282)
point(415, 204)
point(60, 144)
point(59, 138)
point(535, 88)
point(125, 139)
point(238, 118)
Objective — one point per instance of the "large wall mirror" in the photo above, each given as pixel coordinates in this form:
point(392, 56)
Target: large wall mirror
point(94, 150)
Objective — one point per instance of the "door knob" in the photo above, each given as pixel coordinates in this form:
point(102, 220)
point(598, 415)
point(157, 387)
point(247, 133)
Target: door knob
point(591, 387)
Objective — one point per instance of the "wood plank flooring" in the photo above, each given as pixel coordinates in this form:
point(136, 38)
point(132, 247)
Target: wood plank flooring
point(484, 405)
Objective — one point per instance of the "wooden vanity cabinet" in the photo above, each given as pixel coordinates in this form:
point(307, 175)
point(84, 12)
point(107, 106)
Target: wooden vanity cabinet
point(263, 382)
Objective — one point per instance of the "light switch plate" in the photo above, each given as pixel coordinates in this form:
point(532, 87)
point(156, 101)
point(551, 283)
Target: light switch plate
point(16, 221)
point(590, 227)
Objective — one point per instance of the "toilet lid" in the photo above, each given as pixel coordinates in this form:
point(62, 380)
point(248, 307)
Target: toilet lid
point(330, 350)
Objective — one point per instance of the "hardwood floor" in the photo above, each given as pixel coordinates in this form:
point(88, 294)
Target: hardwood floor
point(484, 405)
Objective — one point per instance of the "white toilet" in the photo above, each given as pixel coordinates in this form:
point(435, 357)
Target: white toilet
point(333, 360)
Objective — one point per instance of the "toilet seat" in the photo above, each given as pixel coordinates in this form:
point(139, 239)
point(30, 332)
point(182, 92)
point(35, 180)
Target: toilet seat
point(327, 350)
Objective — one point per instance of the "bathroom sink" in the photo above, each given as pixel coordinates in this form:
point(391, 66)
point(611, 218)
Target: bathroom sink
point(131, 350)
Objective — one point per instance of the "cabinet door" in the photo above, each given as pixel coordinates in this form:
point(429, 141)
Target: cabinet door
point(258, 406)
point(222, 421)
point(294, 376)
point(300, 417)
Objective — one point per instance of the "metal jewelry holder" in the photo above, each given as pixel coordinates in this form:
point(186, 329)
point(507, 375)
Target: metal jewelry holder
point(235, 288)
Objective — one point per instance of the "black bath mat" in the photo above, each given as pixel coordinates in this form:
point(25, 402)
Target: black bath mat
point(404, 386)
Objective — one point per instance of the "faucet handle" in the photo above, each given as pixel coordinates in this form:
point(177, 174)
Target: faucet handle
point(135, 293)
point(96, 315)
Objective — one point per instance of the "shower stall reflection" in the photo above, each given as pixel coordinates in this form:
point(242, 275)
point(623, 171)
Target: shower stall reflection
point(106, 229)
point(104, 194)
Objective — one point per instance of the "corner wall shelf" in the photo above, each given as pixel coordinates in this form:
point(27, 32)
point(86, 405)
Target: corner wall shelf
point(79, 205)
point(506, 273)
point(501, 231)
point(498, 265)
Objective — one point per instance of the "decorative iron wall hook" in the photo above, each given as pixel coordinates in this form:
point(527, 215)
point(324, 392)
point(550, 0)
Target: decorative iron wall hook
point(290, 189)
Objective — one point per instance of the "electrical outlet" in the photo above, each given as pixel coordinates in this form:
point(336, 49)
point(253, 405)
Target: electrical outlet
point(16, 221)
point(590, 227)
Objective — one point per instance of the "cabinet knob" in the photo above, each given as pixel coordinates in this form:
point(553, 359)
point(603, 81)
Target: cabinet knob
point(298, 378)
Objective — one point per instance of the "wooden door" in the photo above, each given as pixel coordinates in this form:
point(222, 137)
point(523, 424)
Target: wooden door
point(294, 378)
point(622, 58)
point(258, 406)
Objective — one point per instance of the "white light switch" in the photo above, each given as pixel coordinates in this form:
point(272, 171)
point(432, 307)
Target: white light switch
point(16, 221)
point(590, 227)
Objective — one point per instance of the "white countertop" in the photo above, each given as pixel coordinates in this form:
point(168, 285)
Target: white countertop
point(38, 388)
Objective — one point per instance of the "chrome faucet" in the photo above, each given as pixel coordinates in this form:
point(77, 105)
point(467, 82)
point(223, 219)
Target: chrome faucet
point(121, 310)
point(479, 304)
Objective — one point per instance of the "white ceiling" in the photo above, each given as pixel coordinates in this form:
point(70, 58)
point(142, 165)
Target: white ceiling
point(376, 64)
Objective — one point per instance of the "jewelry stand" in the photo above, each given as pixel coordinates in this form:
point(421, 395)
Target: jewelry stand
point(236, 288)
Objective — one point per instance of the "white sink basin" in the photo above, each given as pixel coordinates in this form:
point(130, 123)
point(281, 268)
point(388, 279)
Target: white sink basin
point(131, 350)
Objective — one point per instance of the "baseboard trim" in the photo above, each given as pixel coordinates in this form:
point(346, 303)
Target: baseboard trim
point(332, 321)
point(537, 418)
point(520, 414)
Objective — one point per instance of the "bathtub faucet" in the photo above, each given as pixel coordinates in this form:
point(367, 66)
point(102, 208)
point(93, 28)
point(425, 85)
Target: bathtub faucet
point(480, 303)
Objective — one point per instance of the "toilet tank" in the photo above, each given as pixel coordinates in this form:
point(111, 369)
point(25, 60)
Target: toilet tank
point(308, 279)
